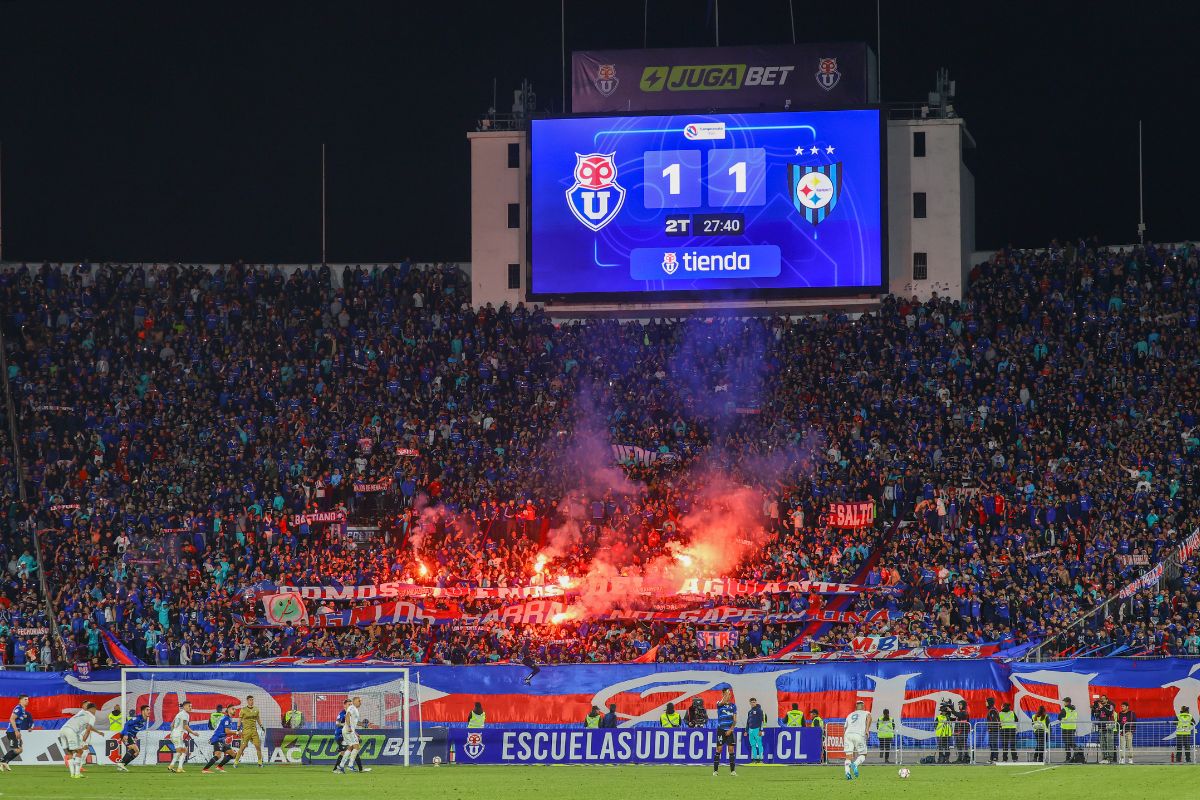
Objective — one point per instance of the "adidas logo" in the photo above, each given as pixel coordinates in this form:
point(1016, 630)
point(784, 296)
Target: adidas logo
point(53, 753)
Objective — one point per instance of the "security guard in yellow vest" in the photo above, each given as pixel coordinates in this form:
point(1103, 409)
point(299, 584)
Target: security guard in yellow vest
point(1068, 723)
point(943, 731)
point(294, 718)
point(478, 717)
point(794, 718)
point(670, 718)
point(1008, 732)
point(116, 720)
point(885, 727)
point(1185, 725)
point(592, 720)
point(215, 717)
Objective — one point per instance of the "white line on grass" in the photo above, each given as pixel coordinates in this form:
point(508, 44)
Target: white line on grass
point(1043, 769)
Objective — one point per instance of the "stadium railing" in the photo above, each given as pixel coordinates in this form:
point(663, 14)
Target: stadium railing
point(914, 741)
point(1093, 743)
point(1156, 743)
point(918, 743)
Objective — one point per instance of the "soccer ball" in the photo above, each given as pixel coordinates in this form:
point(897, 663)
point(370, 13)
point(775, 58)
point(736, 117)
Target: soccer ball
point(437, 761)
point(904, 773)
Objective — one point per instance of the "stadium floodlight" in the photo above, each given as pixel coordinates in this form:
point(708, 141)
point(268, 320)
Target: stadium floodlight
point(316, 692)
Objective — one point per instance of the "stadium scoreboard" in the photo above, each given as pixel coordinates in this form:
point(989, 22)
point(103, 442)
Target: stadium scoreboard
point(699, 205)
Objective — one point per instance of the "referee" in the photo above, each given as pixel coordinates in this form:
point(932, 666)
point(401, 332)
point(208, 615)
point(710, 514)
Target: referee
point(726, 732)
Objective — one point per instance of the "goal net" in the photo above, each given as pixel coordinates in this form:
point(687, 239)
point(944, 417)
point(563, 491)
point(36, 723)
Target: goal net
point(390, 722)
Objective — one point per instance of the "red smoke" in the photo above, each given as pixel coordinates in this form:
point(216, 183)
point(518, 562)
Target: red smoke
point(724, 528)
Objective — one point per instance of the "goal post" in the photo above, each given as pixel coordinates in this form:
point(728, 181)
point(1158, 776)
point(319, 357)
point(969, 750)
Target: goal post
point(318, 693)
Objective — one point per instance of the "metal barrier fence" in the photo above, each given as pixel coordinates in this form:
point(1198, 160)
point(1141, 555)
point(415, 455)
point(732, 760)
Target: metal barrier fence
point(916, 742)
point(1156, 743)
point(919, 743)
point(1089, 743)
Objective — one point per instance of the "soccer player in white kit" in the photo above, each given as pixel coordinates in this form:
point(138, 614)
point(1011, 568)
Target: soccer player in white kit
point(181, 728)
point(858, 723)
point(74, 737)
point(350, 735)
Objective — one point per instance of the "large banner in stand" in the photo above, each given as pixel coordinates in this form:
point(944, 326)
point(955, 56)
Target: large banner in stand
point(624, 746)
point(623, 586)
point(288, 609)
point(561, 695)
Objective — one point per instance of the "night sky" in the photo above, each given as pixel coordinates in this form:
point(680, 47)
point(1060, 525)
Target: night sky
point(192, 131)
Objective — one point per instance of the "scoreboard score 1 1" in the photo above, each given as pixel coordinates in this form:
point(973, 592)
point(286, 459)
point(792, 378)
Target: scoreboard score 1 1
point(692, 205)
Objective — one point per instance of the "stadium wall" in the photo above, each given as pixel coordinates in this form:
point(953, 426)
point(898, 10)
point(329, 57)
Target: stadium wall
point(562, 695)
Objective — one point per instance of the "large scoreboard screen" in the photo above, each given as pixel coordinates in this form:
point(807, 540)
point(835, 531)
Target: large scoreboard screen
point(700, 205)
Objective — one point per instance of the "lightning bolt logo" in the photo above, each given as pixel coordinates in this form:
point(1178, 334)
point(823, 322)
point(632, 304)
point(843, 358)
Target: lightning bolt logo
point(653, 79)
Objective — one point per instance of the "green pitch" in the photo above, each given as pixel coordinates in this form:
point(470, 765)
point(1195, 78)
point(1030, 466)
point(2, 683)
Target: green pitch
point(619, 783)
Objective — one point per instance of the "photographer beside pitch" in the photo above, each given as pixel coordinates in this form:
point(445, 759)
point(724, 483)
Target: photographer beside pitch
point(697, 714)
point(1104, 716)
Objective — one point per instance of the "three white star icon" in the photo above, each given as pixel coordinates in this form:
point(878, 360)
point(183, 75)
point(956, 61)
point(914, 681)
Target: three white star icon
point(814, 150)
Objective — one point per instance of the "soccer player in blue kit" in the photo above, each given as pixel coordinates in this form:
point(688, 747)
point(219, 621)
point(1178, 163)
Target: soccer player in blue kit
point(219, 744)
point(337, 736)
point(129, 736)
point(726, 732)
point(21, 720)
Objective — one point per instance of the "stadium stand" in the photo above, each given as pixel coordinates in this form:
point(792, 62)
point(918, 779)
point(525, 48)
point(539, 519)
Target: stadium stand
point(1030, 451)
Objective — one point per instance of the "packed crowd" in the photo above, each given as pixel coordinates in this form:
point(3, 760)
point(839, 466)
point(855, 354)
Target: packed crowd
point(1030, 451)
point(24, 624)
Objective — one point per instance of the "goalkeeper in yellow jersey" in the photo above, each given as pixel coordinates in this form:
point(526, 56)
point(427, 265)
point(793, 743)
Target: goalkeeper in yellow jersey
point(251, 722)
